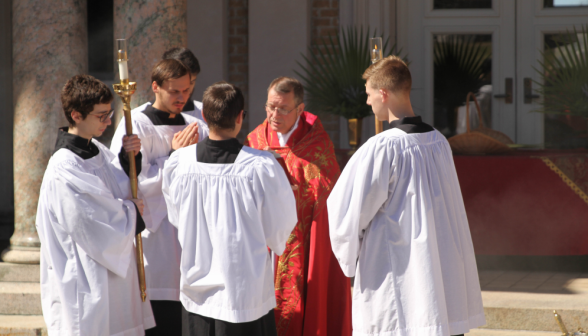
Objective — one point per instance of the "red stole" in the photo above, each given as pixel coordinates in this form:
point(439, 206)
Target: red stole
point(312, 294)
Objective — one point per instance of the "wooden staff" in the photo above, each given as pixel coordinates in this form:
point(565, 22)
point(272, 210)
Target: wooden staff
point(133, 178)
point(125, 90)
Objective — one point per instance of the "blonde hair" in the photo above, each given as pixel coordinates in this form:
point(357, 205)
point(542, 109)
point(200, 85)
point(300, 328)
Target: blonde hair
point(390, 73)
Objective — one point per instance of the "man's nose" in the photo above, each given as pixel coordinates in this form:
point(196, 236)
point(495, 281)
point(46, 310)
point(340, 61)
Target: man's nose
point(108, 121)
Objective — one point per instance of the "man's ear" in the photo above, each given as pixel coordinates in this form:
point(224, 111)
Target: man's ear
point(300, 108)
point(239, 118)
point(76, 116)
point(155, 87)
point(385, 95)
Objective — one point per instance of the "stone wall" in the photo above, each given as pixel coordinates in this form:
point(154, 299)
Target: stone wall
point(150, 29)
point(238, 12)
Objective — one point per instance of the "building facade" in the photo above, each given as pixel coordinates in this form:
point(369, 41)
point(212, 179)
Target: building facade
point(251, 42)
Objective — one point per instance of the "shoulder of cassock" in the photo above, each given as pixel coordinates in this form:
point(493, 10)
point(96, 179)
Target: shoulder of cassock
point(248, 156)
point(141, 120)
point(66, 165)
point(395, 142)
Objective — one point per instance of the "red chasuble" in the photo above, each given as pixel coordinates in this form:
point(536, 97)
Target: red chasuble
point(312, 294)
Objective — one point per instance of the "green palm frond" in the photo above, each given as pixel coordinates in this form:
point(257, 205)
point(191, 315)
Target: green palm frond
point(563, 73)
point(459, 69)
point(331, 74)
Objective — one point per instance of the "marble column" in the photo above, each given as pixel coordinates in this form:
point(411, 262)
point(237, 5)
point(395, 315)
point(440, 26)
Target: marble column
point(150, 27)
point(49, 47)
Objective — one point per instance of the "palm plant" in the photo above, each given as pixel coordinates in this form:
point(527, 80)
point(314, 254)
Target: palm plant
point(563, 75)
point(458, 69)
point(331, 75)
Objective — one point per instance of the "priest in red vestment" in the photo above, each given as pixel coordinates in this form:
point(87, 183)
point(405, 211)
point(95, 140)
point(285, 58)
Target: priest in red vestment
point(313, 295)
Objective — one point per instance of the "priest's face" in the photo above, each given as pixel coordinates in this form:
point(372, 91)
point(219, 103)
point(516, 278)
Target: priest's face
point(173, 94)
point(95, 122)
point(279, 103)
point(375, 100)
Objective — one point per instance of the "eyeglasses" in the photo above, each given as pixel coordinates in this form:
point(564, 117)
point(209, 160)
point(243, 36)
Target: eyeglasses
point(281, 111)
point(105, 116)
point(244, 113)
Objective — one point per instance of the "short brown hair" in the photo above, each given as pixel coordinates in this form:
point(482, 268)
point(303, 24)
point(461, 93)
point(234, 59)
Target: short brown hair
point(221, 104)
point(185, 56)
point(390, 73)
point(81, 93)
point(168, 69)
point(286, 85)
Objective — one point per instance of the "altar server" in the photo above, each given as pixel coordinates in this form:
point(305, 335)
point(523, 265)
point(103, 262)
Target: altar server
point(184, 55)
point(230, 203)
point(162, 128)
point(86, 223)
point(397, 207)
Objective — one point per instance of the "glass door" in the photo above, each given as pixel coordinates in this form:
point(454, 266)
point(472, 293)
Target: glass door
point(541, 28)
point(493, 48)
point(455, 47)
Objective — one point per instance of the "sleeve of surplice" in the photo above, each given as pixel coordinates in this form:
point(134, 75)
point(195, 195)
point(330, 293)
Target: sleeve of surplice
point(172, 189)
point(275, 202)
point(100, 224)
point(151, 176)
point(360, 191)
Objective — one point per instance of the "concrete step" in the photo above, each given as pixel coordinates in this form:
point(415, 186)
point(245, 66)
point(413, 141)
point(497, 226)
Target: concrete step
point(494, 332)
point(11, 325)
point(19, 273)
point(20, 298)
point(526, 300)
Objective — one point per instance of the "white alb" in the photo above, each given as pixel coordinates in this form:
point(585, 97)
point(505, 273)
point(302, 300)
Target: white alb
point(161, 249)
point(398, 224)
point(86, 225)
point(227, 216)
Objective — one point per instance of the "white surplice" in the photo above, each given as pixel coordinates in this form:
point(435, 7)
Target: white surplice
point(398, 208)
point(89, 283)
point(161, 248)
point(227, 216)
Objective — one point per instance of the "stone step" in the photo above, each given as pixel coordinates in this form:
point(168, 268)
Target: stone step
point(526, 301)
point(495, 332)
point(20, 298)
point(19, 273)
point(18, 325)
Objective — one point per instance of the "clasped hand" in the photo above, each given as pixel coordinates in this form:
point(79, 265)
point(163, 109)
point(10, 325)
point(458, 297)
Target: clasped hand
point(187, 137)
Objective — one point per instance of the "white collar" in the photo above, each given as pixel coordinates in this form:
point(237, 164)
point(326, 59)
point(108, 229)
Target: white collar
point(283, 138)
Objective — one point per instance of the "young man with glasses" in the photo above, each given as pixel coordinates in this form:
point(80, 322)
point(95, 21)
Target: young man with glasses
point(87, 222)
point(230, 204)
point(163, 128)
point(313, 295)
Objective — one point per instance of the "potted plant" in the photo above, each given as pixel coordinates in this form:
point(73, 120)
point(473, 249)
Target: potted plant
point(332, 80)
point(563, 85)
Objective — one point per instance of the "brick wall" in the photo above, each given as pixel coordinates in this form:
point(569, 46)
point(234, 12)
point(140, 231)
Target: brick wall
point(239, 52)
point(325, 21)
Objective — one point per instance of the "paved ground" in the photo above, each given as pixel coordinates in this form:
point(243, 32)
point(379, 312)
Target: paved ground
point(526, 300)
point(515, 303)
point(491, 332)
